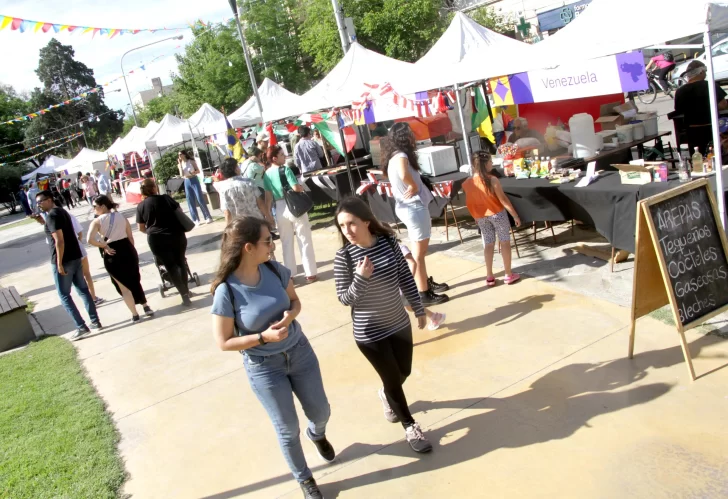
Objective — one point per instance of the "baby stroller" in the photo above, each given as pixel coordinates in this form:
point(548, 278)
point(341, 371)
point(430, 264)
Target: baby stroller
point(166, 284)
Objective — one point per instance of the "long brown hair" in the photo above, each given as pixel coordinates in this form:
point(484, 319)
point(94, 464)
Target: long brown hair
point(237, 234)
point(399, 139)
point(479, 161)
point(355, 206)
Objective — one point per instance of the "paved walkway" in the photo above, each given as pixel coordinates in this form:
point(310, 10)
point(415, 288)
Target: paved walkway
point(525, 392)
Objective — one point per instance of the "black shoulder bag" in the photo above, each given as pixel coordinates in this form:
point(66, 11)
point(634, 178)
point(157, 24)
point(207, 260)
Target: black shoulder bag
point(298, 202)
point(273, 269)
point(184, 221)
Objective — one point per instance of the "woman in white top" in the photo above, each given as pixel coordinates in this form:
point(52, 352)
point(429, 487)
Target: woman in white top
point(193, 190)
point(399, 162)
point(111, 233)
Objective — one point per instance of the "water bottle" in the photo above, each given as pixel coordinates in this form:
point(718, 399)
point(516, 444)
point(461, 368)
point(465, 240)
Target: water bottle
point(682, 172)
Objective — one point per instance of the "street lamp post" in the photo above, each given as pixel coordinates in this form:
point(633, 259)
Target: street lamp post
point(253, 83)
point(178, 37)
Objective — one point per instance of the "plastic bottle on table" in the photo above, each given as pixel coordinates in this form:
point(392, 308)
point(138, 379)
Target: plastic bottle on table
point(709, 160)
point(697, 161)
point(683, 172)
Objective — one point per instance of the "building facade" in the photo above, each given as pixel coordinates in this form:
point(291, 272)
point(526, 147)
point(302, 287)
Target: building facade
point(142, 98)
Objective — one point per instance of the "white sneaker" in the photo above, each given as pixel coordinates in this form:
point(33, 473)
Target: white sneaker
point(209, 221)
point(417, 439)
point(197, 223)
point(436, 320)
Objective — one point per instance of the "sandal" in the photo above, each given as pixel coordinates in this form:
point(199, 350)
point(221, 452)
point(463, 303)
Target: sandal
point(490, 281)
point(510, 279)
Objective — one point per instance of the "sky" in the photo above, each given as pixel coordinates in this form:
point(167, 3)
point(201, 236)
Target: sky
point(20, 51)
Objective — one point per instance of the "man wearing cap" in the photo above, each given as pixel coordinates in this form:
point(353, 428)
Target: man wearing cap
point(693, 102)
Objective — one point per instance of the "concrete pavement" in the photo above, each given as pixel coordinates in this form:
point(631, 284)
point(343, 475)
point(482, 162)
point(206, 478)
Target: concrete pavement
point(525, 392)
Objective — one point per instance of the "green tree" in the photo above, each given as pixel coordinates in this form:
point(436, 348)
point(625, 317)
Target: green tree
point(10, 179)
point(491, 19)
point(63, 78)
point(402, 29)
point(12, 105)
point(212, 70)
point(271, 31)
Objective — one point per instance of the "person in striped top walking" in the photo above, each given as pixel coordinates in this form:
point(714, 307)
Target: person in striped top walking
point(370, 271)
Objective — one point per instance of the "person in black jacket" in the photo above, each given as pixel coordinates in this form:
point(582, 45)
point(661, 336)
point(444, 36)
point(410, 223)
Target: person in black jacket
point(156, 218)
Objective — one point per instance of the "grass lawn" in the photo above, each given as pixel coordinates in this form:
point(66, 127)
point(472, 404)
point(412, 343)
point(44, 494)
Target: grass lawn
point(56, 438)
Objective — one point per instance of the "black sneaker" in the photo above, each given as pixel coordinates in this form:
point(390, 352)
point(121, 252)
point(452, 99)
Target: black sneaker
point(148, 311)
point(417, 439)
point(429, 298)
point(186, 301)
point(311, 490)
point(436, 287)
point(80, 333)
point(96, 325)
point(324, 448)
point(134, 319)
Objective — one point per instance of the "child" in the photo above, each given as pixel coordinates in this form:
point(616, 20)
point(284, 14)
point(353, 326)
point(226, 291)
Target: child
point(434, 319)
point(487, 203)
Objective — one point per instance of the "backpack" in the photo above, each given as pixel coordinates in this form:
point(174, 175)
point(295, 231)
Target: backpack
point(273, 269)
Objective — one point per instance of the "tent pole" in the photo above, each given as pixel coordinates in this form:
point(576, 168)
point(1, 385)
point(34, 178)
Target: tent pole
point(346, 158)
point(720, 194)
point(466, 138)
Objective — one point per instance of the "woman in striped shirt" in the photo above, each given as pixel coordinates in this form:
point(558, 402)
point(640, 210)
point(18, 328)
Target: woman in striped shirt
point(370, 270)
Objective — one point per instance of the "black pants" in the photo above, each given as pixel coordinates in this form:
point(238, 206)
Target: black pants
point(392, 359)
point(661, 74)
point(170, 252)
point(67, 198)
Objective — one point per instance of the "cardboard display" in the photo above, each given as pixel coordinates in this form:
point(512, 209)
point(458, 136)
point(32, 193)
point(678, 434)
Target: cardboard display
point(680, 260)
point(635, 174)
point(614, 114)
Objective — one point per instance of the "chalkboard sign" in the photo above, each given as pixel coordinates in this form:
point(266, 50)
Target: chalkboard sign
point(680, 259)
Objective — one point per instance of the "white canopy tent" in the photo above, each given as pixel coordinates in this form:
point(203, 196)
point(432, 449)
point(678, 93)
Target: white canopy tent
point(207, 121)
point(116, 147)
point(464, 44)
point(345, 83)
point(49, 166)
point(85, 161)
point(170, 131)
point(134, 141)
point(276, 102)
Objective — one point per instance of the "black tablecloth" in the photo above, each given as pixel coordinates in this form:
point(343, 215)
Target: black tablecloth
point(175, 185)
point(606, 203)
point(323, 194)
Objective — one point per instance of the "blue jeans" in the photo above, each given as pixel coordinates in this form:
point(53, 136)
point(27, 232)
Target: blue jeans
point(74, 275)
point(193, 193)
point(274, 379)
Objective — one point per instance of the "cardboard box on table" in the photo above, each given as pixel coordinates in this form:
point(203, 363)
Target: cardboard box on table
point(615, 114)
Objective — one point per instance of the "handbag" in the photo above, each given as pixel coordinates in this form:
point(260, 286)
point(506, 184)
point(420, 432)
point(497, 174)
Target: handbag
point(184, 221)
point(298, 202)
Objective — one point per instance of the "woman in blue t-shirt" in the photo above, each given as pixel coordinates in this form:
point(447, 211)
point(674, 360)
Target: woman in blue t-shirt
point(254, 312)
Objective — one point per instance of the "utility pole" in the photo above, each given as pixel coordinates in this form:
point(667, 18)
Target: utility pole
point(251, 73)
point(339, 15)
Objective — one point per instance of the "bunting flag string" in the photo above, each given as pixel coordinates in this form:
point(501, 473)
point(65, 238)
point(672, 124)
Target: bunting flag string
point(38, 146)
point(429, 106)
point(83, 95)
point(23, 25)
point(68, 139)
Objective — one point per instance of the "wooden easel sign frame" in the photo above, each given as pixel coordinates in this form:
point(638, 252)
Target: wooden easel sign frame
point(681, 259)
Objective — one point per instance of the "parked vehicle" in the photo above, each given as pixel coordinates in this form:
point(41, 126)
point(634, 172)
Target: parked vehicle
point(720, 62)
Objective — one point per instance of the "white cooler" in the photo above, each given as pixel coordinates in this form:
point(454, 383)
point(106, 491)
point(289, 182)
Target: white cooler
point(437, 160)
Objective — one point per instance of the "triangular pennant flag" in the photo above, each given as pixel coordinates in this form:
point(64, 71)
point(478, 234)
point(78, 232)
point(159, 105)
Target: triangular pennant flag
point(38, 26)
point(5, 21)
point(46, 27)
point(86, 29)
point(103, 31)
point(56, 27)
point(72, 28)
point(16, 23)
point(142, 67)
point(24, 25)
point(96, 30)
point(113, 33)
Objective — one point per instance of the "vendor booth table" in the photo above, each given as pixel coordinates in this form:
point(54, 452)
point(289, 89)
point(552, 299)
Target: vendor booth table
point(334, 185)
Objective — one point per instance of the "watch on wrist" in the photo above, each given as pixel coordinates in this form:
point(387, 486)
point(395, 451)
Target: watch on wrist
point(260, 339)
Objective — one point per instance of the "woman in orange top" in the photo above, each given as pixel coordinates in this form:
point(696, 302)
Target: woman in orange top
point(487, 203)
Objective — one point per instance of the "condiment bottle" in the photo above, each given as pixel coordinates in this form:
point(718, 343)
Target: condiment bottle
point(683, 173)
point(697, 161)
point(709, 160)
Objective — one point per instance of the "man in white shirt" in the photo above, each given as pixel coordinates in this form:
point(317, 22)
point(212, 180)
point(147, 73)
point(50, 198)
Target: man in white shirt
point(239, 196)
point(103, 182)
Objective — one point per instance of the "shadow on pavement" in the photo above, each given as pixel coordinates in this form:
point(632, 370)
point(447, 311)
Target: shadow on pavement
point(498, 317)
point(554, 407)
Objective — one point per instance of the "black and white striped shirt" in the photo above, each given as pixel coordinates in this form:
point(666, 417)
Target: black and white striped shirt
point(377, 305)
